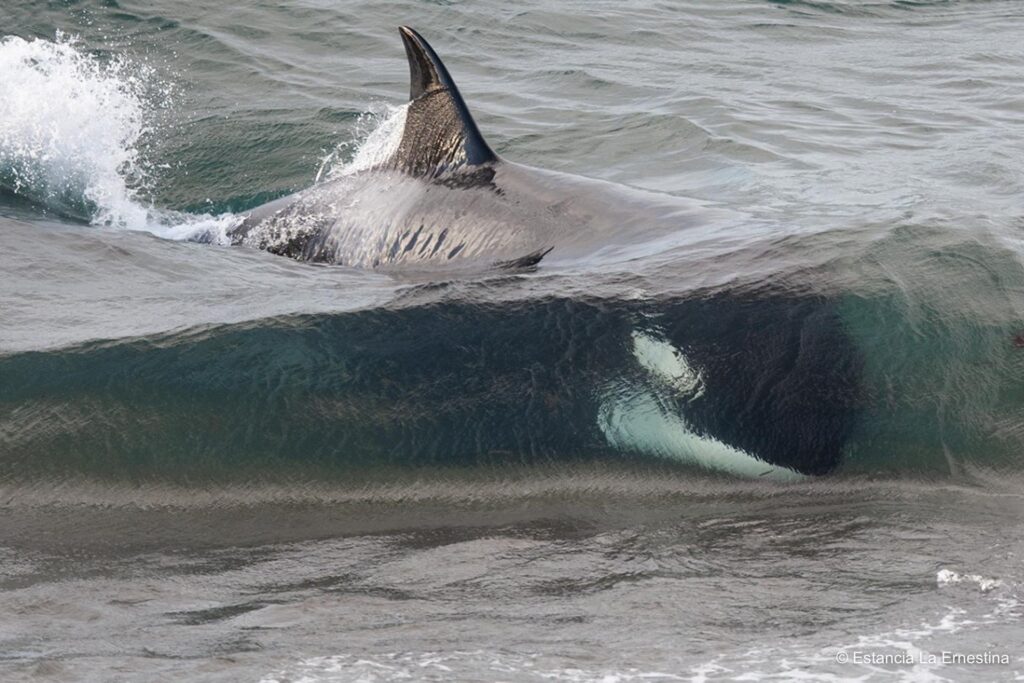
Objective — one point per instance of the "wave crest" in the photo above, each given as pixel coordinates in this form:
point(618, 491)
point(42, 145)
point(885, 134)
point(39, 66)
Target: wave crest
point(70, 126)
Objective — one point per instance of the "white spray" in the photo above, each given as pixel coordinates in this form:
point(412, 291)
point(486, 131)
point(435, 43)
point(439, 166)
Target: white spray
point(377, 136)
point(71, 125)
point(69, 129)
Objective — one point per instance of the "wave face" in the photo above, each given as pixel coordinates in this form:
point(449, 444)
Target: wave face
point(447, 384)
point(768, 345)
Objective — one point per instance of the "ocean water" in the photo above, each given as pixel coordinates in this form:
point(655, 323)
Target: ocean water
point(221, 464)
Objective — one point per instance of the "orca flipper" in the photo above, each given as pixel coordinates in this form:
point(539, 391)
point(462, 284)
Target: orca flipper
point(440, 134)
point(523, 262)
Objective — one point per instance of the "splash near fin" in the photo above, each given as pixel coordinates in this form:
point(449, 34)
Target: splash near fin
point(440, 134)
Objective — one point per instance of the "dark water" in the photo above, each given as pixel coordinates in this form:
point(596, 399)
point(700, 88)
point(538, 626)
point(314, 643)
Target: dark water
point(221, 464)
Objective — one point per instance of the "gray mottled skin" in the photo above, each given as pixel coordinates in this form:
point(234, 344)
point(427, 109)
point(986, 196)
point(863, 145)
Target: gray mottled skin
point(444, 196)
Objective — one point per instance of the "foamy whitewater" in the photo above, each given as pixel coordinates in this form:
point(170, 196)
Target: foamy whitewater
point(218, 464)
point(69, 129)
point(71, 126)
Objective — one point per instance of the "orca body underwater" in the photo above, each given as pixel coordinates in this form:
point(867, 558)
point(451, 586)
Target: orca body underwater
point(444, 197)
point(756, 376)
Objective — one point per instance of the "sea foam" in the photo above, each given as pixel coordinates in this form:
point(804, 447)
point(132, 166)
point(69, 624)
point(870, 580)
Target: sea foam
point(72, 125)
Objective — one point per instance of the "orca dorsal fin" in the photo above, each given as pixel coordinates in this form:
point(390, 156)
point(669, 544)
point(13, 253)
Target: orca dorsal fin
point(440, 134)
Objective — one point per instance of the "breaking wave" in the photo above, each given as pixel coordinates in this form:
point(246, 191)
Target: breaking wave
point(72, 125)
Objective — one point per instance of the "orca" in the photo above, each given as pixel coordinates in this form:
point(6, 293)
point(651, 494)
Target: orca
point(737, 379)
